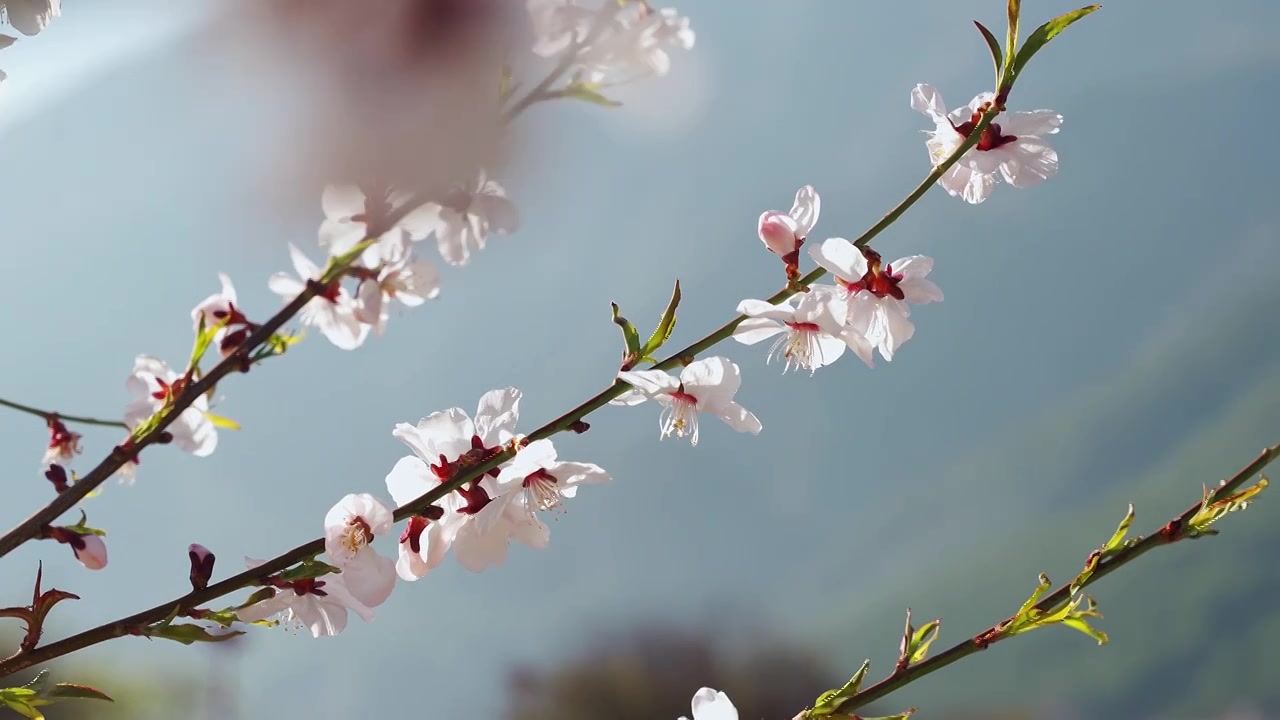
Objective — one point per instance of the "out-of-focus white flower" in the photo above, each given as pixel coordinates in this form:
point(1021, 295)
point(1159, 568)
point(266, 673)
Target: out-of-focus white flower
point(709, 704)
point(333, 312)
point(1014, 148)
point(411, 282)
point(704, 386)
point(634, 46)
point(465, 219)
point(152, 385)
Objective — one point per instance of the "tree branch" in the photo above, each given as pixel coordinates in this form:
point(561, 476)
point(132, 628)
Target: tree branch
point(48, 415)
point(1169, 533)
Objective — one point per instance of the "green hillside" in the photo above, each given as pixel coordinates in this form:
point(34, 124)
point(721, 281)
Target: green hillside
point(1192, 626)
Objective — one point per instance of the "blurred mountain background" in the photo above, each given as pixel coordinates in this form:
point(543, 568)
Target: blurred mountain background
point(1107, 338)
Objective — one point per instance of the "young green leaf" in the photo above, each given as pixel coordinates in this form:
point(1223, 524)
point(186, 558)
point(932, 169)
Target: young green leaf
point(630, 337)
point(1113, 546)
point(666, 324)
point(222, 422)
point(71, 690)
point(904, 715)
point(1042, 36)
point(829, 701)
point(997, 55)
point(585, 91)
point(308, 569)
point(187, 634)
point(1212, 510)
point(1011, 38)
point(918, 648)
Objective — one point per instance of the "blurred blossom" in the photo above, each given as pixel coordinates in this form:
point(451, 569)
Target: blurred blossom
point(401, 92)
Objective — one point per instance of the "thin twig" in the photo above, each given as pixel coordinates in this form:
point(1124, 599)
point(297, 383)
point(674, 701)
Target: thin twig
point(1169, 533)
point(49, 415)
point(31, 527)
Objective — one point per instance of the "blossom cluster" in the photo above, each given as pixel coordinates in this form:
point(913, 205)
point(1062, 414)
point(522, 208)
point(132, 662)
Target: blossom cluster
point(477, 520)
point(609, 46)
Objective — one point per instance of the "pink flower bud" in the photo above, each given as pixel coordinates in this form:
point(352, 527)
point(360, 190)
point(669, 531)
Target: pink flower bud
point(201, 565)
point(778, 232)
point(91, 551)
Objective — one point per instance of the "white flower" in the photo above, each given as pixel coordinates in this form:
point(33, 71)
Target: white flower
point(445, 443)
point(783, 233)
point(29, 17)
point(1014, 148)
point(151, 386)
point(465, 219)
point(319, 604)
point(533, 481)
point(90, 550)
point(333, 312)
point(711, 705)
point(347, 213)
point(220, 309)
point(877, 295)
point(64, 443)
point(704, 386)
point(557, 24)
point(632, 46)
point(412, 282)
point(810, 330)
point(349, 528)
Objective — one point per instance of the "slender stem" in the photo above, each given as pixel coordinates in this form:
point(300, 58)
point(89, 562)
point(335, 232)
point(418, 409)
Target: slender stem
point(539, 92)
point(560, 424)
point(1169, 533)
point(64, 501)
point(48, 414)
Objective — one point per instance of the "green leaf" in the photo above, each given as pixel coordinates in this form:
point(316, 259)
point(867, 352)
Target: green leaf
point(1212, 510)
point(1039, 592)
point(1011, 38)
point(585, 91)
point(308, 569)
point(918, 648)
point(222, 422)
point(258, 596)
point(629, 336)
point(84, 529)
point(71, 690)
point(997, 55)
point(1113, 546)
point(1117, 538)
point(506, 82)
point(187, 634)
point(829, 701)
point(1042, 36)
point(23, 708)
point(666, 324)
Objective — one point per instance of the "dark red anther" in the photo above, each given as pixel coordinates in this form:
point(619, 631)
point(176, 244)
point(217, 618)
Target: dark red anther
point(881, 282)
point(991, 137)
point(361, 525)
point(537, 476)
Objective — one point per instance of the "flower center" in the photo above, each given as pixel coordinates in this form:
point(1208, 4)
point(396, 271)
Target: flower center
point(358, 534)
point(881, 282)
point(478, 453)
point(991, 137)
point(542, 489)
point(680, 416)
point(798, 347)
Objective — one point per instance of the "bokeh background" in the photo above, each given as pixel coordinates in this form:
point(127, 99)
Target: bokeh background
point(1108, 337)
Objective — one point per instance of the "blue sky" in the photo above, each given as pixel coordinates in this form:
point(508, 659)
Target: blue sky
point(130, 184)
